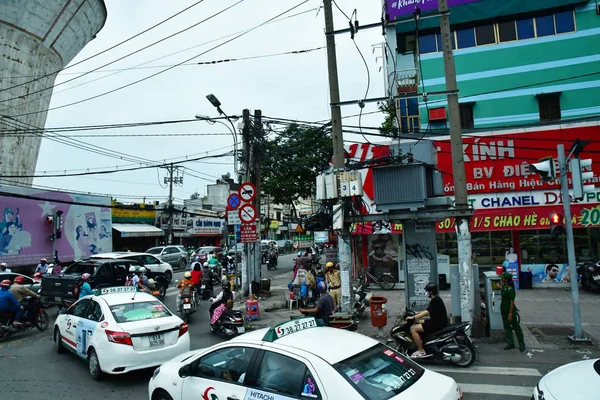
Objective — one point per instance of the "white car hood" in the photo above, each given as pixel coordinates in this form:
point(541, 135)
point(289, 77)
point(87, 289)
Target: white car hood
point(431, 386)
point(574, 381)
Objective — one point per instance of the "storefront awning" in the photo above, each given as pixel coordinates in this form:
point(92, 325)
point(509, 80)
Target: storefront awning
point(138, 230)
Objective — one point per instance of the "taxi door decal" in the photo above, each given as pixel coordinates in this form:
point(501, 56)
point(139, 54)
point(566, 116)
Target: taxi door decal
point(85, 330)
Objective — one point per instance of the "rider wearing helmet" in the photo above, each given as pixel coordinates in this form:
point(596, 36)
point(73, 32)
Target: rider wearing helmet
point(21, 291)
point(438, 319)
point(325, 306)
point(42, 267)
point(223, 298)
point(140, 280)
point(85, 289)
point(9, 303)
point(4, 268)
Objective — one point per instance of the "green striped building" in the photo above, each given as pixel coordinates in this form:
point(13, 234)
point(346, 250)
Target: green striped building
point(517, 62)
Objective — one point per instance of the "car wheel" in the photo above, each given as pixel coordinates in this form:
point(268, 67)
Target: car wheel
point(161, 395)
point(43, 321)
point(169, 276)
point(182, 263)
point(58, 345)
point(94, 365)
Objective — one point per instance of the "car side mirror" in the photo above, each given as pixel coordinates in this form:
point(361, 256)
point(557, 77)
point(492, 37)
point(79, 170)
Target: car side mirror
point(185, 371)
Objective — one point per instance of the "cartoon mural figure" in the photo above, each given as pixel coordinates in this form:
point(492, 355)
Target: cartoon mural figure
point(13, 238)
point(83, 241)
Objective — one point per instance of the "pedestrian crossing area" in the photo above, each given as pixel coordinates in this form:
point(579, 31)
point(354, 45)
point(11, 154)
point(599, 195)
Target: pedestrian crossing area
point(491, 382)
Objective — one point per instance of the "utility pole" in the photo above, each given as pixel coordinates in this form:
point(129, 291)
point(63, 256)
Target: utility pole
point(469, 312)
point(564, 186)
point(246, 279)
point(170, 206)
point(339, 161)
point(257, 142)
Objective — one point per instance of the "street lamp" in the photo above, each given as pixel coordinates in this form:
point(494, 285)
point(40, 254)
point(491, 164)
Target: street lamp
point(217, 104)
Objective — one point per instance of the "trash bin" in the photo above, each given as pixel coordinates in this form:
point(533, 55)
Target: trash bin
point(442, 282)
point(525, 280)
point(378, 311)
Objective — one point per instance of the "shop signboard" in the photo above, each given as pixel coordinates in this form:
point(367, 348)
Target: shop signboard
point(321, 236)
point(208, 226)
point(397, 8)
point(134, 213)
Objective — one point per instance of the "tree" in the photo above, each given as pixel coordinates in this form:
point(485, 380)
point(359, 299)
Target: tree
point(195, 196)
point(292, 161)
point(389, 125)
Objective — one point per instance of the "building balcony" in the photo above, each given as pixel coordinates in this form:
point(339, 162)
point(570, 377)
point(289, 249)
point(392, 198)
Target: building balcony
point(406, 80)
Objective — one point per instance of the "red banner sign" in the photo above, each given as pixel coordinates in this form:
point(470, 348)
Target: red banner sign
point(248, 233)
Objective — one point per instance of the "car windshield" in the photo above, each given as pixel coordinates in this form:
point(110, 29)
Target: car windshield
point(142, 311)
point(380, 373)
point(81, 268)
point(154, 250)
point(204, 250)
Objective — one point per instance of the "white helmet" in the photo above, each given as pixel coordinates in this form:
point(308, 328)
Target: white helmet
point(206, 264)
point(143, 270)
point(132, 269)
point(5, 265)
point(187, 275)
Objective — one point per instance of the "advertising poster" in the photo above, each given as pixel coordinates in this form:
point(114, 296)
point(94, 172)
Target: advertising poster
point(86, 229)
point(397, 8)
point(383, 254)
point(549, 273)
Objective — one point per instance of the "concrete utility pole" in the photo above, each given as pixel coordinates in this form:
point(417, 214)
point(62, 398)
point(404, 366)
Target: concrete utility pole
point(467, 292)
point(339, 161)
point(564, 185)
point(170, 238)
point(257, 142)
point(246, 279)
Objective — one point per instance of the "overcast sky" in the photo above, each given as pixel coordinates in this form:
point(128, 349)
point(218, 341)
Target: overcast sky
point(288, 86)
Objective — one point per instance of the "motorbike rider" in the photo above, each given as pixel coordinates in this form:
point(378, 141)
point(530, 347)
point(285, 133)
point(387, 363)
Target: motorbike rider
point(207, 277)
point(324, 307)
point(214, 263)
point(9, 303)
point(197, 276)
point(438, 319)
point(334, 281)
point(141, 281)
point(85, 289)
point(186, 284)
point(222, 302)
point(4, 268)
point(129, 277)
point(42, 267)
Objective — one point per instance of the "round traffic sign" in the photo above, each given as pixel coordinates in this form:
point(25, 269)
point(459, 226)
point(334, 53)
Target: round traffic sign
point(233, 201)
point(247, 213)
point(247, 191)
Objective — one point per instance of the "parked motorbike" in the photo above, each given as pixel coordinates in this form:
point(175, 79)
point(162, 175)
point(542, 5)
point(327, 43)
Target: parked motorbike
point(590, 276)
point(451, 344)
point(231, 323)
point(362, 298)
point(35, 316)
point(187, 302)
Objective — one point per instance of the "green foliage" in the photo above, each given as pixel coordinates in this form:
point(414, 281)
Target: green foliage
point(388, 126)
point(292, 161)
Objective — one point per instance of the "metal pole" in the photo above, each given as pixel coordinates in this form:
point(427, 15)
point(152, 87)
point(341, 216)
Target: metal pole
point(339, 161)
point(467, 301)
point(170, 238)
point(257, 164)
point(564, 186)
point(246, 287)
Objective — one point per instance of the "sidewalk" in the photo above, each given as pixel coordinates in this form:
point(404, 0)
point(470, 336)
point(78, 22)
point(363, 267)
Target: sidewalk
point(546, 314)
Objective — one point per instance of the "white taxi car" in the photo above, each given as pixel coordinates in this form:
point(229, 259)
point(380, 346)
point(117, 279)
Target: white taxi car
point(121, 330)
point(574, 381)
point(298, 359)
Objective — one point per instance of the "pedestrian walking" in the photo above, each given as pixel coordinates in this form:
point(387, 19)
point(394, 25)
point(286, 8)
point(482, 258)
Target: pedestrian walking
point(510, 313)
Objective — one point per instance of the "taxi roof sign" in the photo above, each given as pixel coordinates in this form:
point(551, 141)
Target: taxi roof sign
point(287, 328)
point(117, 289)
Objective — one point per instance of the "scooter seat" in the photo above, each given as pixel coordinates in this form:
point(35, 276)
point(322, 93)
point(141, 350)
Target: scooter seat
point(450, 328)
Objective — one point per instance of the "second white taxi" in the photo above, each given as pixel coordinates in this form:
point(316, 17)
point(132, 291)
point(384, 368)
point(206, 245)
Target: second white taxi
point(120, 330)
point(299, 360)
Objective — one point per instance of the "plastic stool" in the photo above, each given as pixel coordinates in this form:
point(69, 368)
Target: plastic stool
point(291, 303)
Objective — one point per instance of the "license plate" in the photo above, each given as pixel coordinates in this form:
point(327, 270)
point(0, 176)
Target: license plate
point(596, 277)
point(157, 340)
point(57, 299)
point(203, 287)
point(241, 329)
point(187, 306)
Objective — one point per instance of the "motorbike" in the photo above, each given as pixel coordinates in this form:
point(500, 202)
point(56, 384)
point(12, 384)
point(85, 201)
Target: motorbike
point(362, 298)
point(187, 303)
point(590, 276)
point(451, 344)
point(271, 261)
point(231, 323)
point(206, 290)
point(35, 316)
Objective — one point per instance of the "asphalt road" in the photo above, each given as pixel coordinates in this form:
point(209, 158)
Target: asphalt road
point(31, 369)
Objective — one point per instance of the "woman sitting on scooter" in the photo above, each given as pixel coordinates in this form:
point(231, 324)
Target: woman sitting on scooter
point(224, 301)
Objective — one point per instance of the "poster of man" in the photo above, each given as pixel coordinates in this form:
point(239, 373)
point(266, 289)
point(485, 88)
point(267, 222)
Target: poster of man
point(549, 273)
point(383, 254)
